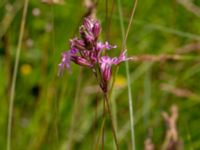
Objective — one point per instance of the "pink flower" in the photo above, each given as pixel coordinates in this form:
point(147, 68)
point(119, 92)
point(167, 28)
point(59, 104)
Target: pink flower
point(65, 62)
point(106, 64)
point(87, 51)
point(100, 46)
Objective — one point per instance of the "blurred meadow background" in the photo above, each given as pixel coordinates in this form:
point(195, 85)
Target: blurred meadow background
point(59, 113)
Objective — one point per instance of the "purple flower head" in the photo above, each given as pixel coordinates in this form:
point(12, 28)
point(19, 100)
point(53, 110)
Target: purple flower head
point(90, 30)
point(87, 52)
point(106, 64)
point(106, 67)
point(108, 46)
point(65, 62)
point(100, 46)
point(92, 26)
point(73, 51)
point(122, 57)
point(81, 61)
point(77, 44)
point(96, 29)
point(69, 56)
point(88, 24)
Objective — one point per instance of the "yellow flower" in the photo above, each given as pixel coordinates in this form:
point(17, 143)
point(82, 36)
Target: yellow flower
point(25, 69)
point(120, 81)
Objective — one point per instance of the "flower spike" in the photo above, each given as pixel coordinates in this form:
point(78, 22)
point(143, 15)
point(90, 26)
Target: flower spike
point(87, 51)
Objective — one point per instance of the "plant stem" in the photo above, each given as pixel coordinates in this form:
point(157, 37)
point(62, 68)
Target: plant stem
point(125, 36)
point(14, 77)
point(129, 24)
point(130, 107)
point(100, 133)
point(103, 126)
point(110, 19)
point(111, 120)
point(106, 20)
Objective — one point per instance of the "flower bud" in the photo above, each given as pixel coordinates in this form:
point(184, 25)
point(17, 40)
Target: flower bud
point(96, 29)
point(107, 72)
point(88, 24)
point(81, 61)
point(77, 44)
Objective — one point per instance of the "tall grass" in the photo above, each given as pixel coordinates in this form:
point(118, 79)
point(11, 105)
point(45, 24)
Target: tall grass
point(14, 77)
point(68, 111)
point(124, 37)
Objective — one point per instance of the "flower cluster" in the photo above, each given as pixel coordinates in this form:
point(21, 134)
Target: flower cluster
point(88, 51)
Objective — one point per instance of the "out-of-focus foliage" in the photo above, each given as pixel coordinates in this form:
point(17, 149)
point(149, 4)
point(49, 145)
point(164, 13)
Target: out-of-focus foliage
point(52, 112)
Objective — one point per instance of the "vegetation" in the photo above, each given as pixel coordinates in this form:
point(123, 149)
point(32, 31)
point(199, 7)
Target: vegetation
point(59, 113)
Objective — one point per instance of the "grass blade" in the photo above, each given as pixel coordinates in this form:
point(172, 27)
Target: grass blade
point(14, 77)
point(125, 36)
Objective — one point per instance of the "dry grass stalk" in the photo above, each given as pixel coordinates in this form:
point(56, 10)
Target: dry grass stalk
point(190, 6)
point(50, 2)
point(148, 57)
point(188, 48)
point(172, 140)
point(148, 144)
point(179, 92)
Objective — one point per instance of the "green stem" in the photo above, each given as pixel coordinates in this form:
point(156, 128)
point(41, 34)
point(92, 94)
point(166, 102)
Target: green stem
point(129, 24)
point(14, 77)
point(100, 133)
point(111, 120)
point(125, 36)
point(106, 20)
point(103, 130)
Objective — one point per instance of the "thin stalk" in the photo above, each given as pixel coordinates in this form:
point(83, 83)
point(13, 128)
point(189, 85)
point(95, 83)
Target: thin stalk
point(114, 106)
point(108, 23)
point(14, 77)
point(110, 18)
point(104, 109)
point(125, 36)
point(111, 120)
point(56, 101)
point(129, 24)
point(106, 20)
point(114, 110)
point(130, 107)
point(95, 122)
point(103, 130)
point(100, 133)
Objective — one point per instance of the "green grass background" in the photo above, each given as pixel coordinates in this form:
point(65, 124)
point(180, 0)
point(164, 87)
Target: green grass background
point(50, 111)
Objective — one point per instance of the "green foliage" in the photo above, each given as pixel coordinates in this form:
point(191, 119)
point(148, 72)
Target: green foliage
point(52, 112)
